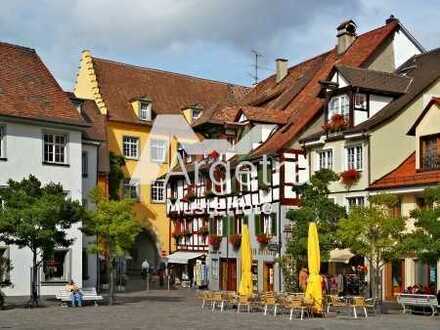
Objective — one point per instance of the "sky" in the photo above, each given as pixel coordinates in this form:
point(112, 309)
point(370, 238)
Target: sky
point(212, 39)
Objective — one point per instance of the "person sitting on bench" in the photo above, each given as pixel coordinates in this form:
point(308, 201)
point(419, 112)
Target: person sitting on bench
point(76, 294)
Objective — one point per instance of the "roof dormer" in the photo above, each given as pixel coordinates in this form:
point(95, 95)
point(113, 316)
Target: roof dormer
point(192, 112)
point(143, 108)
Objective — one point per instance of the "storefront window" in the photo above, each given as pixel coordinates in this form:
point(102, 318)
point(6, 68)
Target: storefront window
point(56, 268)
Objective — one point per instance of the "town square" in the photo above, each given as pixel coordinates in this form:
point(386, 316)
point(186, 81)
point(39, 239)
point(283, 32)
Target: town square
point(219, 164)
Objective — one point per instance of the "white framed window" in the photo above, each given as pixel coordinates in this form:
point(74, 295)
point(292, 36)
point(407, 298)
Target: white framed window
point(130, 146)
point(54, 148)
point(360, 101)
point(158, 191)
point(130, 189)
point(145, 111)
point(354, 156)
point(158, 150)
point(325, 159)
point(245, 181)
point(355, 201)
point(2, 142)
point(85, 164)
point(339, 104)
point(57, 268)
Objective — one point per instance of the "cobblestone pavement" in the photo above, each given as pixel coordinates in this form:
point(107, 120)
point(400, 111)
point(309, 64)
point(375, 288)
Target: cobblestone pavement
point(180, 310)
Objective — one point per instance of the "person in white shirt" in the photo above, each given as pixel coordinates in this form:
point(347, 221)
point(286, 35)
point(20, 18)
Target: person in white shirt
point(145, 268)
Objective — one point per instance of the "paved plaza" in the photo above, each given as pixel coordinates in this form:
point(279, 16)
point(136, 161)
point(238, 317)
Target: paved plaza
point(180, 310)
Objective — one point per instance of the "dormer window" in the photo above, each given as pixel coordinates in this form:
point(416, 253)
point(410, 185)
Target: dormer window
point(339, 104)
point(78, 105)
point(196, 113)
point(360, 101)
point(145, 111)
point(430, 152)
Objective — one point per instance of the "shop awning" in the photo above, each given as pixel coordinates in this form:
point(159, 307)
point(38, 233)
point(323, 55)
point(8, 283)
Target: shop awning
point(341, 255)
point(183, 257)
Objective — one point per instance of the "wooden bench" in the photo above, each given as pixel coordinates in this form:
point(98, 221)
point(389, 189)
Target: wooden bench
point(409, 301)
point(88, 294)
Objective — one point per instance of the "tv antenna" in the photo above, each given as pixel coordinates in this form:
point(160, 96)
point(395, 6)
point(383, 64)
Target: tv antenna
point(256, 65)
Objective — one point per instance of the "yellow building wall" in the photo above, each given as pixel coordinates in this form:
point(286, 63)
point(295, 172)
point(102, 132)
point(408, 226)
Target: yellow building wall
point(388, 153)
point(149, 213)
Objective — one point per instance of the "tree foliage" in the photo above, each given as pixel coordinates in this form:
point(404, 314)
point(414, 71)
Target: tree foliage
point(116, 227)
point(425, 239)
point(374, 233)
point(315, 206)
point(115, 176)
point(37, 217)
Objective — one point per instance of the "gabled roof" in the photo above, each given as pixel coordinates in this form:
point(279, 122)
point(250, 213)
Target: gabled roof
point(29, 91)
point(434, 100)
point(406, 175)
point(307, 105)
point(263, 115)
point(119, 83)
point(373, 80)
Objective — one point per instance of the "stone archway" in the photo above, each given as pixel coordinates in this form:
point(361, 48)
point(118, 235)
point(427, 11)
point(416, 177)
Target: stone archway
point(145, 246)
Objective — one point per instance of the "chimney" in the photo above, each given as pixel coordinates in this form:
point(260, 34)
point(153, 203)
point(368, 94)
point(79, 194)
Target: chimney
point(346, 34)
point(281, 68)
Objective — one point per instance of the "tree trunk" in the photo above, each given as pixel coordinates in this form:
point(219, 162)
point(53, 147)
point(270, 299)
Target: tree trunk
point(111, 279)
point(34, 293)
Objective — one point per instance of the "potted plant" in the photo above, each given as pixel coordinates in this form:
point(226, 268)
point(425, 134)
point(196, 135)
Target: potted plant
point(350, 177)
point(263, 239)
point(214, 241)
point(213, 155)
point(235, 240)
point(336, 123)
point(203, 231)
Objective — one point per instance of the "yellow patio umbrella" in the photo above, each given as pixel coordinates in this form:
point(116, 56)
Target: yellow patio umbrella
point(246, 263)
point(314, 288)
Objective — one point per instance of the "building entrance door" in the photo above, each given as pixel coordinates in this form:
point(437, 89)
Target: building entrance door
point(228, 274)
point(268, 276)
point(394, 279)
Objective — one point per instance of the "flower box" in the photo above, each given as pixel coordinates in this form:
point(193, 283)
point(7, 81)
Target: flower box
point(235, 241)
point(350, 177)
point(336, 123)
point(214, 241)
point(263, 239)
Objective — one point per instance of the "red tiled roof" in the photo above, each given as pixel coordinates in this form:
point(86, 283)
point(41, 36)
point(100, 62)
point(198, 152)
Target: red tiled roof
point(28, 90)
point(307, 105)
point(120, 83)
point(263, 115)
point(406, 175)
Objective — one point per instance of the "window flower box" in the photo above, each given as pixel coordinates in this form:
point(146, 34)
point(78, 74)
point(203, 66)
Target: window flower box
point(213, 155)
point(235, 241)
point(214, 241)
point(350, 177)
point(336, 123)
point(263, 239)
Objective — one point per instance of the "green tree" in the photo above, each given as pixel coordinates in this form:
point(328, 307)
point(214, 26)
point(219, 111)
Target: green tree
point(37, 217)
point(375, 233)
point(315, 206)
point(115, 225)
point(425, 239)
point(115, 176)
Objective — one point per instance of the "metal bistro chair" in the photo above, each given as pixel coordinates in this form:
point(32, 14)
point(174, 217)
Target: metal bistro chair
point(336, 303)
point(296, 303)
point(205, 297)
point(358, 302)
point(217, 297)
point(229, 299)
point(269, 299)
point(244, 301)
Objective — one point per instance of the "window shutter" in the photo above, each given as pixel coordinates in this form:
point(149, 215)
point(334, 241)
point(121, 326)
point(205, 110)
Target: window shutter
point(260, 174)
point(273, 217)
point(245, 219)
point(212, 229)
point(231, 225)
point(269, 173)
point(258, 224)
point(225, 226)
